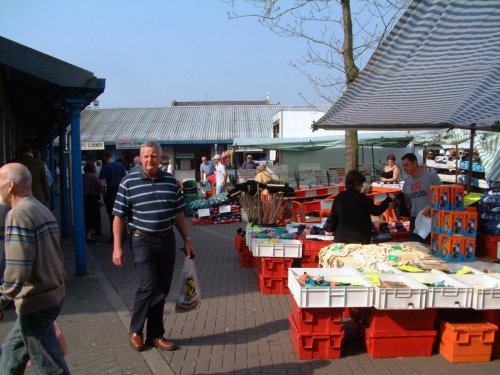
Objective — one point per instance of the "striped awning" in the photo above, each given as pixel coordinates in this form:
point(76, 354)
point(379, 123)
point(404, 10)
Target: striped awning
point(438, 68)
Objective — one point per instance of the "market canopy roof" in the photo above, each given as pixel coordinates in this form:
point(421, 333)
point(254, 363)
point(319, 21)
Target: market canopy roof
point(394, 139)
point(438, 68)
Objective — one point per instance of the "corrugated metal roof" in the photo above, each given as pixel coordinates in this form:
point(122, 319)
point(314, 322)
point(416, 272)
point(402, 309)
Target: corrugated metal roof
point(186, 124)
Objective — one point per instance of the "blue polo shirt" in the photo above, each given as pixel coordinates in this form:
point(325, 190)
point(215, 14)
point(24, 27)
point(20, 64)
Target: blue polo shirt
point(150, 204)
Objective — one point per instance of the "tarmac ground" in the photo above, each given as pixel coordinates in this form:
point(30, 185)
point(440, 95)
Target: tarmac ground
point(237, 330)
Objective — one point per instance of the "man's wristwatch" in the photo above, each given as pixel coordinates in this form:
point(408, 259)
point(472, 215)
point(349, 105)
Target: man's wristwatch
point(188, 238)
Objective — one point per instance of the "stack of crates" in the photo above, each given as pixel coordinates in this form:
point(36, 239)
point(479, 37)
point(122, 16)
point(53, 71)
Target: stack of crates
point(310, 250)
point(272, 274)
point(454, 228)
point(316, 333)
point(244, 254)
point(462, 341)
point(398, 333)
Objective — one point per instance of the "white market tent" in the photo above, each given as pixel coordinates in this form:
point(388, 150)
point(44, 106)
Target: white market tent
point(439, 68)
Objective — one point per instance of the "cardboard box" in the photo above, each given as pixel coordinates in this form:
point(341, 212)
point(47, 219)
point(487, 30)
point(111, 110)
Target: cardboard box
point(440, 197)
point(470, 227)
point(446, 222)
point(434, 243)
point(435, 223)
point(459, 219)
point(457, 193)
point(449, 248)
point(468, 248)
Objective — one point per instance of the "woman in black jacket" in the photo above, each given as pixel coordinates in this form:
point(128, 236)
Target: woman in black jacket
point(350, 219)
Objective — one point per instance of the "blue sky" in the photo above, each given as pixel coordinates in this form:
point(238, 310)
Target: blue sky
point(152, 52)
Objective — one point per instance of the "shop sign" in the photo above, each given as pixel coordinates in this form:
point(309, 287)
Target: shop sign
point(128, 145)
point(92, 145)
point(272, 155)
point(184, 155)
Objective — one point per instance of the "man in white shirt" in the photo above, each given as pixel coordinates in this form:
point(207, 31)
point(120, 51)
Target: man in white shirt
point(220, 175)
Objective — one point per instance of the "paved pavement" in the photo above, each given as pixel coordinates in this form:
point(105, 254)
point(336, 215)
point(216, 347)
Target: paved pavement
point(237, 330)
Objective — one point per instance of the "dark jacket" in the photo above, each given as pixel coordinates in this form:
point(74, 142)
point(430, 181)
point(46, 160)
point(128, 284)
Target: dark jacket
point(350, 216)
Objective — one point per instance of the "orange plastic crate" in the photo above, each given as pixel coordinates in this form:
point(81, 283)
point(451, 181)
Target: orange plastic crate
point(271, 285)
point(246, 259)
point(318, 321)
point(273, 266)
point(310, 249)
point(493, 316)
point(466, 342)
point(402, 343)
point(315, 346)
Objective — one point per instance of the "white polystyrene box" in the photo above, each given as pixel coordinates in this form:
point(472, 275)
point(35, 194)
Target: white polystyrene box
point(412, 298)
point(485, 267)
point(276, 248)
point(455, 295)
point(331, 296)
point(486, 290)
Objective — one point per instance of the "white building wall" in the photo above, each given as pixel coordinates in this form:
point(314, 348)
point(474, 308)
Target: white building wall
point(296, 124)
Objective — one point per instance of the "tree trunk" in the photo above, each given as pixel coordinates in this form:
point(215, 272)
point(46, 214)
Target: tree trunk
point(352, 72)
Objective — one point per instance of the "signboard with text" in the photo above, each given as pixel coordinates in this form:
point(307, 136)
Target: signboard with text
point(92, 145)
point(128, 144)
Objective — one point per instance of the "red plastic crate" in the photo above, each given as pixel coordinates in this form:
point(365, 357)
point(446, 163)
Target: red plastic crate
point(310, 249)
point(493, 316)
point(271, 285)
point(308, 265)
point(239, 241)
point(246, 259)
point(403, 343)
point(320, 321)
point(488, 245)
point(273, 267)
point(245, 248)
point(315, 346)
point(394, 320)
point(466, 342)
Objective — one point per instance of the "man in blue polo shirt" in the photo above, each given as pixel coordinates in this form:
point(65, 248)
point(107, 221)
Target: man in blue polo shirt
point(153, 203)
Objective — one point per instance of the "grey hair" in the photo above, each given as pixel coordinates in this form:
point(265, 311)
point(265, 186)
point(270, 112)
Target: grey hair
point(152, 143)
point(19, 174)
point(261, 167)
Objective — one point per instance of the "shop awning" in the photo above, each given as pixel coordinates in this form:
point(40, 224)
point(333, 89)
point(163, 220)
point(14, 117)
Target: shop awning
point(393, 139)
point(438, 68)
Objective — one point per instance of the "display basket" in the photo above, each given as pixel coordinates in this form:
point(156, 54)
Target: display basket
point(413, 296)
point(486, 290)
point(276, 248)
point(454, 294)
point(331, 296)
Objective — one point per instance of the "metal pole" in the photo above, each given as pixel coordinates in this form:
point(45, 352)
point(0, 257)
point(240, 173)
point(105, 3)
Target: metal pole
point(63, 178)
point(471, 158)
point(373, 163)
point(75, 104)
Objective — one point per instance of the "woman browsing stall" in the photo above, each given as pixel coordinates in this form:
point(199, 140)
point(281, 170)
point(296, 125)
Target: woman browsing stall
point(391, 170)
point(350, 217)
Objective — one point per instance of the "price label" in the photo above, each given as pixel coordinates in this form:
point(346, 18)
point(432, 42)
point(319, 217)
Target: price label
point(224, 209)
point(204, 212)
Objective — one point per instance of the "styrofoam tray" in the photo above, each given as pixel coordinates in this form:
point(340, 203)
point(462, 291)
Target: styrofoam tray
point(413, 297)
point(331, 296)
point(457, 295)
point(486, 290)
point(276, 248)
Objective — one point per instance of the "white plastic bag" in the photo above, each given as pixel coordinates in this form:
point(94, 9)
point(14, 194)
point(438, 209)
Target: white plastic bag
point(422, 225)
point(189, 297)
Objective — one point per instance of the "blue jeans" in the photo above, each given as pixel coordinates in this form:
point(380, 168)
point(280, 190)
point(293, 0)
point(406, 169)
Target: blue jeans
point(33, 337)
point(154, 260)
